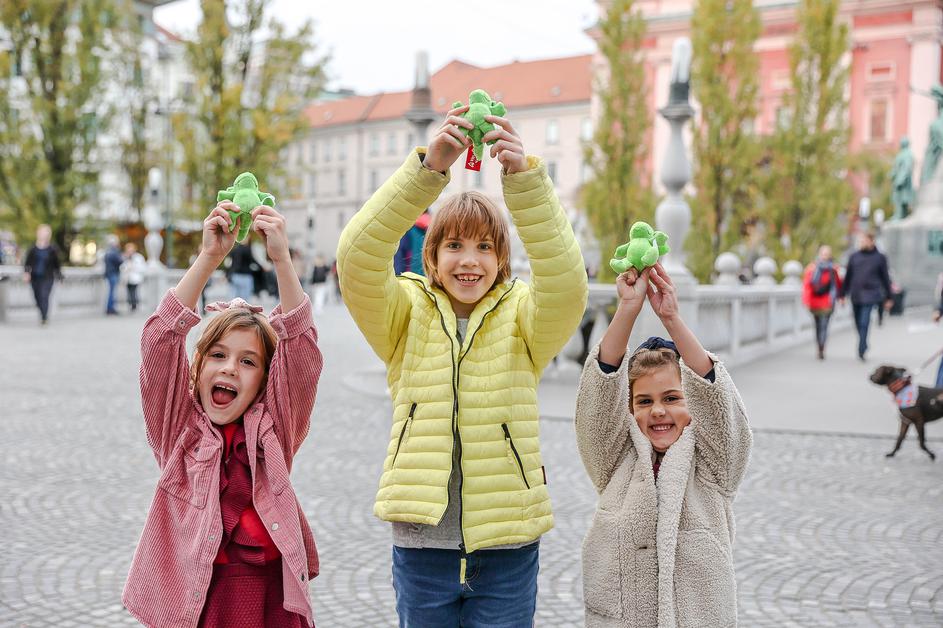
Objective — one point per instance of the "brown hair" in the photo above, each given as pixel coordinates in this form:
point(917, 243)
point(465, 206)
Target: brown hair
point(469, 215)
point(234, 318)
point(644, 361)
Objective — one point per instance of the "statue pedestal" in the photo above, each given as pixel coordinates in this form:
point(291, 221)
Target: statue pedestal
point(914, 245)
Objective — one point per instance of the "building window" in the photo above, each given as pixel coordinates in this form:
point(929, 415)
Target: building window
point(477, 179)
point(312, 184)
point(342, 149)
point(391, 144)
point(341, 183)
point(374, 180)
point(312, 152)
point(553, 132)
point(883, 71)
point(878, 120)
point(327, 149)
point(586, 129)
point(552, 170)
point(410, 138)
point(340, 220)
point(374, 144)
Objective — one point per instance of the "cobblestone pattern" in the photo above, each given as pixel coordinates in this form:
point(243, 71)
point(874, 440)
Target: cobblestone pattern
point(830, 533)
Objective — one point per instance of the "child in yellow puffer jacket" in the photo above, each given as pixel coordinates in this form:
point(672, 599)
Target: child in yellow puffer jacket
point(462, 482)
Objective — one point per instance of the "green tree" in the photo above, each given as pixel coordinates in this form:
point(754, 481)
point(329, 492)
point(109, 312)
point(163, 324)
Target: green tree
point(138, 154)
point(807, 191)
point(873, 170)
point(252, 80)
point(725, 81)
point(51, 110)
point(615, 196)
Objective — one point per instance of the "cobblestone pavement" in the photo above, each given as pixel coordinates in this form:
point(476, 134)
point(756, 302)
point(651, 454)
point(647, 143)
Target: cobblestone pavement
point(830, 533)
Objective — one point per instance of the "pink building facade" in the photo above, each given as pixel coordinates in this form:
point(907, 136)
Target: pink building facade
point(894, 55)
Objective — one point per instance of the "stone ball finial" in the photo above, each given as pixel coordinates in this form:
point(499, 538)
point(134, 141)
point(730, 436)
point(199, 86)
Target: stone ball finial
point(765, 268)
point(727, 266)
point(793, 273)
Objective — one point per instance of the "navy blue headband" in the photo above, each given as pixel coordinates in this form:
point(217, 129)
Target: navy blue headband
point(654, 343)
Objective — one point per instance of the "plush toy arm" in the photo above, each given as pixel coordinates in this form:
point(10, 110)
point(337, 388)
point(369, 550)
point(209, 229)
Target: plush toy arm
point(267, 199)
point(225, 195)
point(621, 250)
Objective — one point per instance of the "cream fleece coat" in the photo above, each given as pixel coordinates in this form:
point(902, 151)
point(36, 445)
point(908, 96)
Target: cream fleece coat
point(660, 554)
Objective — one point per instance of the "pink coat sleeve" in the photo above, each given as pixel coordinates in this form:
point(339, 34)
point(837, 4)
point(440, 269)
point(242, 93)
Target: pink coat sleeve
point(293, 376)
point(165, 374)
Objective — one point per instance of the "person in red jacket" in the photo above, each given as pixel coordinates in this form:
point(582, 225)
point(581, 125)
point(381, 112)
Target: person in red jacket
point(226, 544)
point(821, 286)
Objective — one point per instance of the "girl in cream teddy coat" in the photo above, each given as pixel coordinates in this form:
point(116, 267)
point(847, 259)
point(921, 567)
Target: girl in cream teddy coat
point(663, 435)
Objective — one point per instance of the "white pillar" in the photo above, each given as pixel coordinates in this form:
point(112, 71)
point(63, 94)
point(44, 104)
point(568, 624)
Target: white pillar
point(924, 72)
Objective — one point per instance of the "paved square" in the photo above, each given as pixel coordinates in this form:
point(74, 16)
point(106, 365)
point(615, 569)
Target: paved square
point(830, 533)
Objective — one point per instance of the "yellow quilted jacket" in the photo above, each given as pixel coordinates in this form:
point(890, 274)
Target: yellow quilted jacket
point(485, 388)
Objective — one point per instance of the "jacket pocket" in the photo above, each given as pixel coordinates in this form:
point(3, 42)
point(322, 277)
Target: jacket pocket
point(705, 590)
point(186, 474)
point(272, 459)
point(602, 567)
point(402, 433)
point(510, 443)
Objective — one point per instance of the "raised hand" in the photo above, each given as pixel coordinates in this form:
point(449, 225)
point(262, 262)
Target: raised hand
point(271, 226)
point(662, 295)
point(448, 142)
point(217, 237)
point(508, 149)
point(632, 289)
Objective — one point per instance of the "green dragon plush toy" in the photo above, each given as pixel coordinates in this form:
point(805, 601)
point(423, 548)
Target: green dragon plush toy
point(479, 106)
point(245, 193)
point(643, 249)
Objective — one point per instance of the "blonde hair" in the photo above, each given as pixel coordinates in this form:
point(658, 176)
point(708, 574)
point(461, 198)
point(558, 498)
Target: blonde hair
point(646, 361)
point(234, 318)
point(469, 215)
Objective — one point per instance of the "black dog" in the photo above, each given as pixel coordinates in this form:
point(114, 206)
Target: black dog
point(928, 404)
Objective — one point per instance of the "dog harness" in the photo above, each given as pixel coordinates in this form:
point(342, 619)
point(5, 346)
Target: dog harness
point(905, 392)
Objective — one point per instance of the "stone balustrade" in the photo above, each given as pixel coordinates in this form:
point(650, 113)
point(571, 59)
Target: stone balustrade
point(738, 321)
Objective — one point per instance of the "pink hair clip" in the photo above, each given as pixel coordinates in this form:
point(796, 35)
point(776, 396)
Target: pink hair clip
point(219, 306)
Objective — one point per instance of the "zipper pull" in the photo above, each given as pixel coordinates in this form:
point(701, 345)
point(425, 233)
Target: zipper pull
point(462, 564)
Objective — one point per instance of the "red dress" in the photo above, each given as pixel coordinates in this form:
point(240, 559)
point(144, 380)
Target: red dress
point(246, 589)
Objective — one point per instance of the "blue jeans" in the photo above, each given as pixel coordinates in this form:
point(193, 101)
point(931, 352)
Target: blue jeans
point(112, 287)
point(939, 375)
point(500, 589)
point(862, 312)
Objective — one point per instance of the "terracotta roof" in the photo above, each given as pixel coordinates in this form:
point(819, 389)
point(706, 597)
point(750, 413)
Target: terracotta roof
point(518, 84)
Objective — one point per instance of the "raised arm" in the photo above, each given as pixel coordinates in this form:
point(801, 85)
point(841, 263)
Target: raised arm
point(602, 417)
point(293, 375)
point(165, 374)
point(722, 436)
point(376, 300)
point(557, 299)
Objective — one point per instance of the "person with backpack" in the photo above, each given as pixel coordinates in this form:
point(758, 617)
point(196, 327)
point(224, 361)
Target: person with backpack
point(821, 286)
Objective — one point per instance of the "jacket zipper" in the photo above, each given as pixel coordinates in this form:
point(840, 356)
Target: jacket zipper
point(517, 456)
point(456, 435)
point(402, 433)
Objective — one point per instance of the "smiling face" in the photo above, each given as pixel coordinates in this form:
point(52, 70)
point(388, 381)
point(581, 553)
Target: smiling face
point(466, 250)
point(467, 268)
point(233, 370)
point(659, 406)
point(231, 363)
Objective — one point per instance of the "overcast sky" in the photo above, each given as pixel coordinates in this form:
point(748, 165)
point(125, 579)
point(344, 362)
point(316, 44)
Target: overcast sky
point(373, 44)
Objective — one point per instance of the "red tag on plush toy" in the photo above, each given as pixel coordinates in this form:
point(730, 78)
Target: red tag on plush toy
point(472, 162)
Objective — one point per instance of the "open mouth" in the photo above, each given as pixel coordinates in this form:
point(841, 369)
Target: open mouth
point(223, 395)
point(467, 280)
point(662, 428)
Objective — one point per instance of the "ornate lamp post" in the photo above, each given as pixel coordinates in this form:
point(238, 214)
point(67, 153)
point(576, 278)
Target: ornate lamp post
point(673, 215)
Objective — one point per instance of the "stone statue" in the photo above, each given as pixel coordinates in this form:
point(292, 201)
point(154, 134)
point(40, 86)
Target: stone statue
point(902, 187)
point(680, 71)
point(935, 144)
